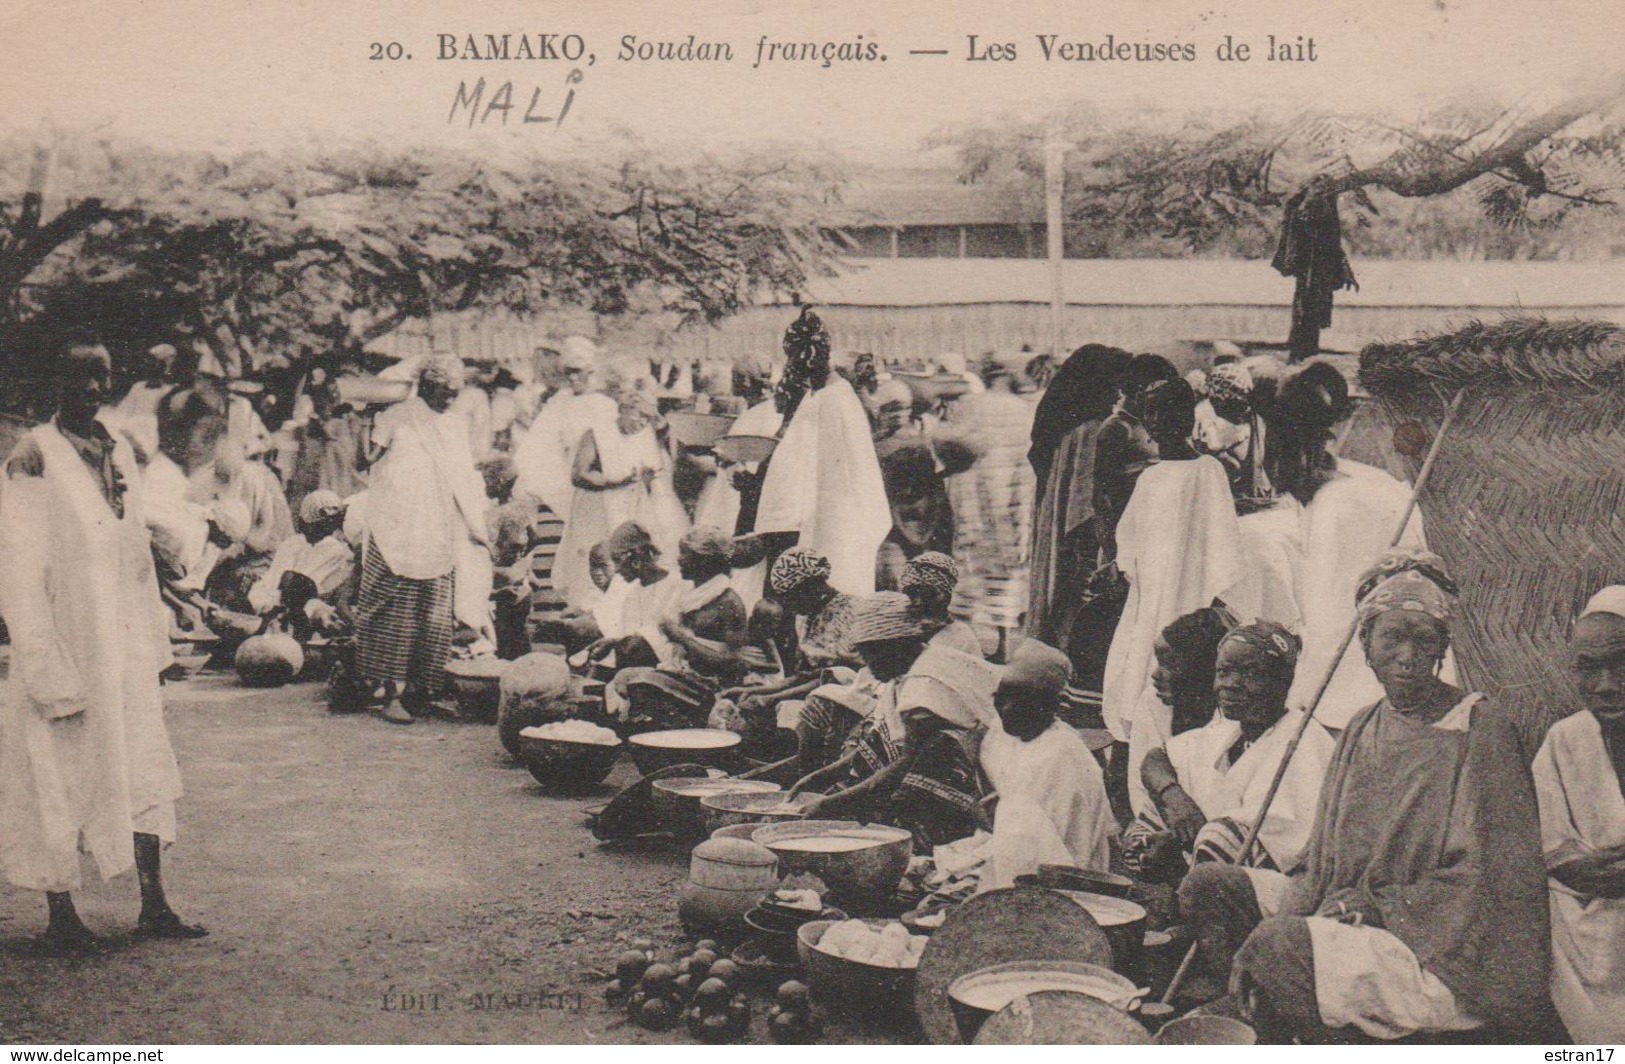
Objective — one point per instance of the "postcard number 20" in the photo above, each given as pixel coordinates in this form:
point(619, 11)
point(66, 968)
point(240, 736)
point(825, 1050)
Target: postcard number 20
point(392, 50)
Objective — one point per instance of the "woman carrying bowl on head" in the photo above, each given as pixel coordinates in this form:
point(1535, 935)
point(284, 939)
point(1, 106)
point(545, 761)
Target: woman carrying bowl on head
point(915, 763)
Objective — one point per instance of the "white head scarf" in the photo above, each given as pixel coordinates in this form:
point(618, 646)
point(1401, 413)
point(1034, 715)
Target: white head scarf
point(1609, 600)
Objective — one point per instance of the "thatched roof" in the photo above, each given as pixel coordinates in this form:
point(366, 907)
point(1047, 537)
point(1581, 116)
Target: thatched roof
point(1519, 352)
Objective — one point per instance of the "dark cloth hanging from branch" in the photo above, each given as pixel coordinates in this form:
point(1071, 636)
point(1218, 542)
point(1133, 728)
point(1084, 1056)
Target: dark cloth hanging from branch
point(1311, 250)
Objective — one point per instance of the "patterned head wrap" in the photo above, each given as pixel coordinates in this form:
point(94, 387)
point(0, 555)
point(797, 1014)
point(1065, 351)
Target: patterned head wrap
point(1037, 669)
point(932, 571)
point(1406, 580)
point(795, 569)
point(319, 505)
point(806, 351)
point(708, 542)
point(1277, 643)
point(445, 370)
point(1230, 381)
point(885, 616)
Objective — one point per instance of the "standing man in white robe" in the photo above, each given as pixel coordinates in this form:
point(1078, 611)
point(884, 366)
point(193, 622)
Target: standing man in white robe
point(85, 760)
point(1580, 782)
point(823, 484)
point(1179, 546)
point(546, 456)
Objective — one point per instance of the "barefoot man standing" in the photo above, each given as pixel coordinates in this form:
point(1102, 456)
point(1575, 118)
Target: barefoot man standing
point(85, 761)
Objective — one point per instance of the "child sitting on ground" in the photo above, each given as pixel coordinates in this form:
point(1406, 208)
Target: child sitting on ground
point(1052, 805)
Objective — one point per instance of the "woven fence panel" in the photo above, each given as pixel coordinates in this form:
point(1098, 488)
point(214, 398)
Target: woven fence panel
point(1526, 504)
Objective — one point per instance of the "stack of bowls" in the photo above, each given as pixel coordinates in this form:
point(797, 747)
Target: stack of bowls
point(677, 801)
point(774, 925)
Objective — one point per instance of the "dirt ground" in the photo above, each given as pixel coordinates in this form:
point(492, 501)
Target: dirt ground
point(363, 883)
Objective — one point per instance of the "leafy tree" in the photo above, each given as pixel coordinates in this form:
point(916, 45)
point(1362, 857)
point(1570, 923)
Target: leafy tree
point(276, 258)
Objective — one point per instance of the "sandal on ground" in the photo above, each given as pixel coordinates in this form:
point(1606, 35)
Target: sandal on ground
point(395, 713)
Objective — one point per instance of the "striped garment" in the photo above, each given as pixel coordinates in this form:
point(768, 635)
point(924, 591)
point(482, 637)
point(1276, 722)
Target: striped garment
point(403, 627)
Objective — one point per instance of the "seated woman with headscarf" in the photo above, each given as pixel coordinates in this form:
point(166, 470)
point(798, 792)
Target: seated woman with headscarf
point(1580, 780)
point(1052, 806)
point(815, 629)
point(193, 521)
point(311, 578)
point(834, 709)
point(639, 597)
point(251, 482)
point(929, 582)
point(702, 641)
point(915, 763)
point(1208, 785)
point(1421, 904)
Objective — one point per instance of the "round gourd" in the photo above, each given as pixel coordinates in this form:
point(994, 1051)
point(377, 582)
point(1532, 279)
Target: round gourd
point(269, 660)
point(534, 690)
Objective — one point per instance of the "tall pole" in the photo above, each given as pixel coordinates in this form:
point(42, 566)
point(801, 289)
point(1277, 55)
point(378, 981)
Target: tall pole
point(1054, 185)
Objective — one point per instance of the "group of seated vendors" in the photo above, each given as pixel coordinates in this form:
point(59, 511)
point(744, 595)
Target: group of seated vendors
point(1412, 874)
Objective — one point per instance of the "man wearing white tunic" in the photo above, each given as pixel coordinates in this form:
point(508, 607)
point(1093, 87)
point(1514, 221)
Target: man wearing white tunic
point(1052, 795)
point(1579, 776)
point(823, 490)
point(1179, 546)
point(1209, 784)
point(85, 761)
point(546, 456)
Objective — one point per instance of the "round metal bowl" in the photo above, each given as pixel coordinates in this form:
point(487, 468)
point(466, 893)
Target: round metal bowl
point(976, 996)
point(847, 987)
point(736, 809)
point(678, 802)
point(863, 874)
point(563, 767)
point(711, 747)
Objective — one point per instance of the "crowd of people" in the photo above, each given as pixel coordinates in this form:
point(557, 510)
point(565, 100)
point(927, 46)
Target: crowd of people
point(1092, 616)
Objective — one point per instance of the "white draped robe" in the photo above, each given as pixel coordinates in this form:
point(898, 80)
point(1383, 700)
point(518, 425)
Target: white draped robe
point(85, 760)
point(824, 483)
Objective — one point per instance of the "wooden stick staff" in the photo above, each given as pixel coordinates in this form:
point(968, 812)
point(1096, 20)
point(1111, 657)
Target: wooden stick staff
point(1325, 681)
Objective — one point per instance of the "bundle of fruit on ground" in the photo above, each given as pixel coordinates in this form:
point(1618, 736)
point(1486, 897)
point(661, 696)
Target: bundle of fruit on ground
point(704, 990)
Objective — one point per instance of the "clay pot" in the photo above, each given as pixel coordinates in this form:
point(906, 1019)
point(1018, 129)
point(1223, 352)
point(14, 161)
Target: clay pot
point(726, 878)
